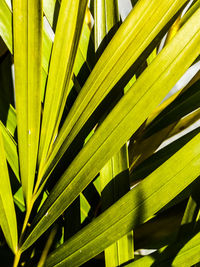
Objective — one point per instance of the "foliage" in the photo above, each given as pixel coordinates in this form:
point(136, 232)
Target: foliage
point(96, 163)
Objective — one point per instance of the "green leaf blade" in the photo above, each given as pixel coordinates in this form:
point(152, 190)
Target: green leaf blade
point(118, 59)
point(8, 220)
point(11, 150)
point(121, 123)
point(35, 29)
point(136, 207)
point(60, 72)
point(20, 24)
point(114, 179)
point(112, 184)
point(6, 24)
point(27, 18)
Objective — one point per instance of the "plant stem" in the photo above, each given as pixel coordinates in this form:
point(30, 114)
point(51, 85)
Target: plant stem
point(27, 216)
point(17, 258)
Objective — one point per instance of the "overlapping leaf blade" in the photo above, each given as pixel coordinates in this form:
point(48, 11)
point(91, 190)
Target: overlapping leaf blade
point(137, 206)
point(51, 10)
point(131, 40)
point(172, 173)
point(114, 178)
point(71, 18)
point(112, 184)
point(120, 124)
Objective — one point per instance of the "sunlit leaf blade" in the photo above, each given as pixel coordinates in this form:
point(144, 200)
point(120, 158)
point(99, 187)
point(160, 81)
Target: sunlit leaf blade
point(112, 14)
point(8, 221)
point(100, 22)
point(10, 147)
point(106, 16)
point(167, 120)
point(136, 207)
point(84, 56)
point(6, 24)
point(121, 123)
point(65, 46)
point(112, 184)
point(35, 27)
point(11, 122)
point(51, 10)
point(190, 12)
point(135, 34)
point(19, 199)
point(20, 21)
point(114, 179)
point(46, 51)
point(27, 23)
point(6, 34)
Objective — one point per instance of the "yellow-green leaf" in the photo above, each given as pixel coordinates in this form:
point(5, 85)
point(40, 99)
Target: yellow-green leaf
point(121, 123)
point(136, 207)
point(65, 46)
point(133, 37)
point(27, 23)
point(8, 220)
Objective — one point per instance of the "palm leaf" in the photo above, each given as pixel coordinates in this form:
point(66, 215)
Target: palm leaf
point(112, 186)
point(8, 220)
point(135, 41)
point(55, 100)
point(27, 60)
point(11, 150)
point(69, 105)
point(120, 124)
point(136, 207)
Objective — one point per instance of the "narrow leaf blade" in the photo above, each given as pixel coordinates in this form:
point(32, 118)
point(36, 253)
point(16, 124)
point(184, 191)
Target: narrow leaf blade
point(136, 207)
point(104, 76)
point(28, 19)
point(8, 220)
point(120, 124)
